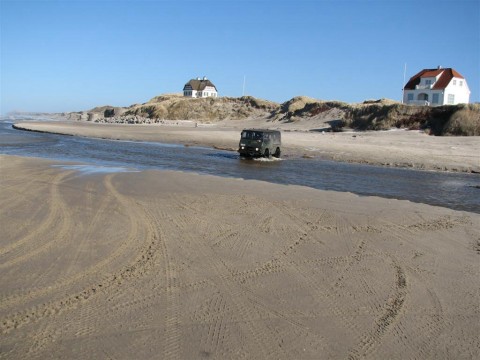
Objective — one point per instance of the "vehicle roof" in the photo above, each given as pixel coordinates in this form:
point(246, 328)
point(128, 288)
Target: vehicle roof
point(262, 130)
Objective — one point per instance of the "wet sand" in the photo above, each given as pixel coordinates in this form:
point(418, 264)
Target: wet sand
point(398, 148)
point(169, 265)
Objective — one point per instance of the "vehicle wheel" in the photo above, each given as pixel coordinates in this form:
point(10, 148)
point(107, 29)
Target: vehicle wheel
point(267, 153)
point(277, 153)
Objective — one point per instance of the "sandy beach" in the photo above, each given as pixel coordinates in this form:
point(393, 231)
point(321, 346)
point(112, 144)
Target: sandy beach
point(397, 148)
point(239, 180)
point(168, 265)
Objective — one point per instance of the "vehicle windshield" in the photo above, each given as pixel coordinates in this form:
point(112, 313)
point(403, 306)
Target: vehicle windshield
point(252, 135)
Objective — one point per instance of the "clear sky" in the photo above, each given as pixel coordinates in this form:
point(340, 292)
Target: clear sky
point(74, 55)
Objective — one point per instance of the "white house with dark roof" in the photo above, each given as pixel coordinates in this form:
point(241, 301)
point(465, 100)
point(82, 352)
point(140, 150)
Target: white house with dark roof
point(435, 87)
point(200, 88)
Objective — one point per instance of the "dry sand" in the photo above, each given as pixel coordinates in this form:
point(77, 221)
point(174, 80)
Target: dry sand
point(170, 265)
point(399, 148)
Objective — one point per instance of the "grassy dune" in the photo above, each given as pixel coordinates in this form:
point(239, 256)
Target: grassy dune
point(462, 119)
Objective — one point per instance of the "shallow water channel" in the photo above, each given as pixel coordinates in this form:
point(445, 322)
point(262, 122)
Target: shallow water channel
point(453, 190)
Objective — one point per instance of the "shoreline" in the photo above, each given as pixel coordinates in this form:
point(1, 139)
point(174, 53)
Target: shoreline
point(396, 148)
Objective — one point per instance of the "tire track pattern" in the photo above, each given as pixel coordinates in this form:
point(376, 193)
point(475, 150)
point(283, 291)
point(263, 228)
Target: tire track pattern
point(141, 265)
point(184, 281)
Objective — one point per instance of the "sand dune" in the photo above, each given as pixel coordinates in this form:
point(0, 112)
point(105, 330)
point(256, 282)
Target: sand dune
point(178, 266)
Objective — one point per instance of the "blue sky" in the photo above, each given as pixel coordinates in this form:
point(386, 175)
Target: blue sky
point(74, 55)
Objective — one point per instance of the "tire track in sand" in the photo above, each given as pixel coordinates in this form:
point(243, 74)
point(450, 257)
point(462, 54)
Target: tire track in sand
point(436, 323)
point(153, 253)
point(55, 211)
point(29, 190)
point(328, 223)
point(304, 228)
point(99, 211)
point(358, 236)
point(137, 268)
point(172, 331)
point(371, 340)
point(60, 229)
point(122, 248)
point(48, 333)
point(250, 317)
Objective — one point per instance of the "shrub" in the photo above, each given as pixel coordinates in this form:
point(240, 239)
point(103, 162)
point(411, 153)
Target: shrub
point(464, 122)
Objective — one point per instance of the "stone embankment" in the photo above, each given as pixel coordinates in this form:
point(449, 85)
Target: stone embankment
point(136, 119)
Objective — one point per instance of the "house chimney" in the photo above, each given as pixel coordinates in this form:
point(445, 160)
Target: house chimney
point(204, 78)
point(439, 67)
point(198, 78)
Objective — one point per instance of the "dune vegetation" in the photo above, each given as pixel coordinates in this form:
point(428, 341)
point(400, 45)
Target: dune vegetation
point(383, 114)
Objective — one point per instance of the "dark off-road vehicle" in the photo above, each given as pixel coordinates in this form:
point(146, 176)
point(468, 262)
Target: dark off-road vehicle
point(259, 142)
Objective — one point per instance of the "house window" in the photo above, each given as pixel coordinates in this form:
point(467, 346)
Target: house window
point(451, 99)
point(460, 83)
point(435, 98)
point(454, 82)
point(410, 97)
point(428, 82)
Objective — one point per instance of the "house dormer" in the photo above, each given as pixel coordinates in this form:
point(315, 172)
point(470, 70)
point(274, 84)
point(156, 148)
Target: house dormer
point(434, 87)
point(429, 78)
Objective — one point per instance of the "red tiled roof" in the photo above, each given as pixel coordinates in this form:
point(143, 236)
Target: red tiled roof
point(445, 79)
point(432, 73)
point(447, 75)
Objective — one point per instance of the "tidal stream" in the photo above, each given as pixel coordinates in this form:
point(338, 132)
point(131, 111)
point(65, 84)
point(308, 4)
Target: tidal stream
point(458, 191)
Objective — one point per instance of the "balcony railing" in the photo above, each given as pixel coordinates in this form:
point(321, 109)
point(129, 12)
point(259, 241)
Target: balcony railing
point(423, 87)
point(418, 102)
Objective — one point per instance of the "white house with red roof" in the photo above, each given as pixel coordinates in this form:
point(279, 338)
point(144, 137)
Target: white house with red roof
point(435, 87)
point(200, 88)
